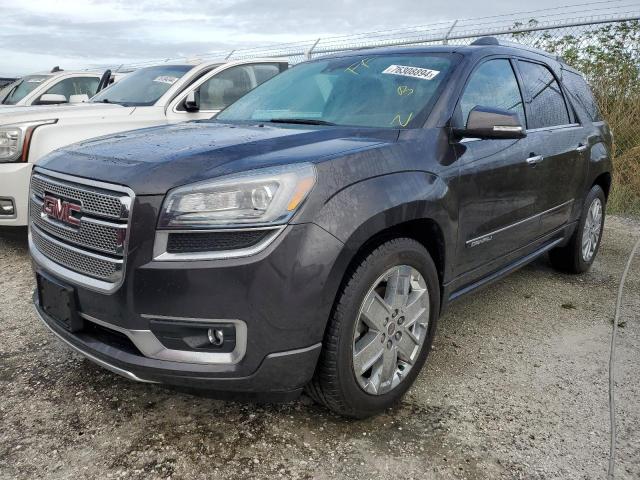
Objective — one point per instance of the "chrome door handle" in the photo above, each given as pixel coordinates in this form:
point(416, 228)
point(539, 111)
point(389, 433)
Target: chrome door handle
point(581, 148)
point(535, 160)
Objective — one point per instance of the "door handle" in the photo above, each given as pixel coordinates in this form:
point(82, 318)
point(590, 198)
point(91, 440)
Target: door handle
point(581, 148)
point(533, 161)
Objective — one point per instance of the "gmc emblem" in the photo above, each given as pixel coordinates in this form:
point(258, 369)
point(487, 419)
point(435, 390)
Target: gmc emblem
point(61, 210)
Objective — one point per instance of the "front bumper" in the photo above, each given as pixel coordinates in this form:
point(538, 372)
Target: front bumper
point(14, 185)
point(282, 296)
point(268, 378)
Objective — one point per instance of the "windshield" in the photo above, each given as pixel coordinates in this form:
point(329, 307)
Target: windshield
point(19, 89)
point(394, 91)
point(143, 87)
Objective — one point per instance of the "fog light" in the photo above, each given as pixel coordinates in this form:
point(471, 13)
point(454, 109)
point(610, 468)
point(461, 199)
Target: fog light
point(216, 336)
point(7, 208)
point(195, 336)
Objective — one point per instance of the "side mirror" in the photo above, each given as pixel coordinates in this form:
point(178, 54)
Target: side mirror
point(51, 99)
point(192, 102)
point(82, 98)
point(487, 122)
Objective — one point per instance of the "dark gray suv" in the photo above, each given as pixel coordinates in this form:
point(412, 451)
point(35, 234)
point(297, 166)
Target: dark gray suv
point(311, 235)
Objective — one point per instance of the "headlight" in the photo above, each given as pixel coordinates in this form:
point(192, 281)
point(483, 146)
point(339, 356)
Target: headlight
point(15, 140)
point(266, 196)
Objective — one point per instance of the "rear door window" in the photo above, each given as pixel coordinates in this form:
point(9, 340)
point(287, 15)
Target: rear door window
point(579, 91)
point(493, 84)
point(547, 107)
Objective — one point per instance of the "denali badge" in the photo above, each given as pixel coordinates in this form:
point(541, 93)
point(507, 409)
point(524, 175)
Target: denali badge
point(61, 210)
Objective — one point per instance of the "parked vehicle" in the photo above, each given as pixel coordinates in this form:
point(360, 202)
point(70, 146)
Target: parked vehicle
point(51, 88)
point(313, 233)
point(150, 96)
point(4, 81)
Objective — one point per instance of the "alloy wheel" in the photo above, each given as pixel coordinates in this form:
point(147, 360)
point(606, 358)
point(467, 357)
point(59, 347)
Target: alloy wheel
point(592, 230)
point(391, 329)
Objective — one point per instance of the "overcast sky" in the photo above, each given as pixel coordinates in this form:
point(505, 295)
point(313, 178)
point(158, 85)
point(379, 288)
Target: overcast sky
point(38, 34)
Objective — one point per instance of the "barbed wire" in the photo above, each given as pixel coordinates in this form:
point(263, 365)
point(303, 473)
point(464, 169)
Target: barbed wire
point(436, 32)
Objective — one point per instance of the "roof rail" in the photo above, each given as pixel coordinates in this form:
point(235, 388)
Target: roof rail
point(506, 43)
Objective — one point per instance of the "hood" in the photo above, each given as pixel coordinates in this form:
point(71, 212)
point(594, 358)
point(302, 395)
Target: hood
point(14, 114)
point(154, 160)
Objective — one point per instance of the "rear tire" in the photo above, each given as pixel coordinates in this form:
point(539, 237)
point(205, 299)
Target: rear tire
point(578, 255)
point(387, 309)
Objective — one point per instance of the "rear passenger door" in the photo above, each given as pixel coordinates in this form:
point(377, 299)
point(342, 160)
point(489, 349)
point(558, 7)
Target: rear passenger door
point(558, 143)
point(497, 190)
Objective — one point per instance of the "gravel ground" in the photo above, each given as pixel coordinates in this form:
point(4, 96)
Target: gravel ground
point(516, 387)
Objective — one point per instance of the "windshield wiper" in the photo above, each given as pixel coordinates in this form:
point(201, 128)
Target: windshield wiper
point(302, 121)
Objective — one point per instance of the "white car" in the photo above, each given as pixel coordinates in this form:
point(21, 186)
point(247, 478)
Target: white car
point(55, 87)
point(168, 93)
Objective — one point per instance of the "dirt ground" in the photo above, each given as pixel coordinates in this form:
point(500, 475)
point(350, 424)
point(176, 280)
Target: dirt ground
point(516, 387)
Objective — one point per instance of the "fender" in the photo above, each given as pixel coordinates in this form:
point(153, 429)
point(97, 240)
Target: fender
point(367, 208)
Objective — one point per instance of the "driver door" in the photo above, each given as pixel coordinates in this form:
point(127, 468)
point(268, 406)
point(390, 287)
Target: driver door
point(497, 188)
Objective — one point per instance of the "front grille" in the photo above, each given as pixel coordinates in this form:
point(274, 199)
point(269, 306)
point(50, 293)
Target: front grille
point(95, 247)
point(75, 259)
point(102, 203)
point(214, 241)
point(104, 237)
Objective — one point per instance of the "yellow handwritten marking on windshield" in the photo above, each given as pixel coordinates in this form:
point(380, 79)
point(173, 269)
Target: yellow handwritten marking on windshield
point(354, 66)
point(398, 119)
point(404, 90)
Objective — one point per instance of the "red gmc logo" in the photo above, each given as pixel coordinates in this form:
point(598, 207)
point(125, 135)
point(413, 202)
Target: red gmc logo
point(61, 210)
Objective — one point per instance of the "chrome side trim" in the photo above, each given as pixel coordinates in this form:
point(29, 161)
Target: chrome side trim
point(102, 363)
point(489, 236)
point(150, 346)
point(162, 237)
point(554, 127)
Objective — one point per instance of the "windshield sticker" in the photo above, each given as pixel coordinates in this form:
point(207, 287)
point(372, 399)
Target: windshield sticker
point(415, 72)
point(35, 80)
point(353, 68)
point(398, 120)
point(404, 91)
point(166, 79)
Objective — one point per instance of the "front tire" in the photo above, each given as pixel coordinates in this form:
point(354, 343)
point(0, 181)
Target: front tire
point(578, 255)
point(380, 332)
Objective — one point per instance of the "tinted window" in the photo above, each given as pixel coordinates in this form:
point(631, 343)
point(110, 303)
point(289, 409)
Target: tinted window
point(75, 86)
point(265, 71)
point(394, 91)
point(547, 107)
point(492, 84)
point(144, 86)
point(23, 87)
point(225, 88)
point(580, 93)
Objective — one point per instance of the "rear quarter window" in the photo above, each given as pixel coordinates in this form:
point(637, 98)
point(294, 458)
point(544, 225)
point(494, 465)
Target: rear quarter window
point(580, 94)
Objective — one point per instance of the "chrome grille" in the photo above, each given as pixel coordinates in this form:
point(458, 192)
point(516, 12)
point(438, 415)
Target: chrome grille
point(104, 237)
point(94, 201)
point(96, 247)
point(75, 259)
